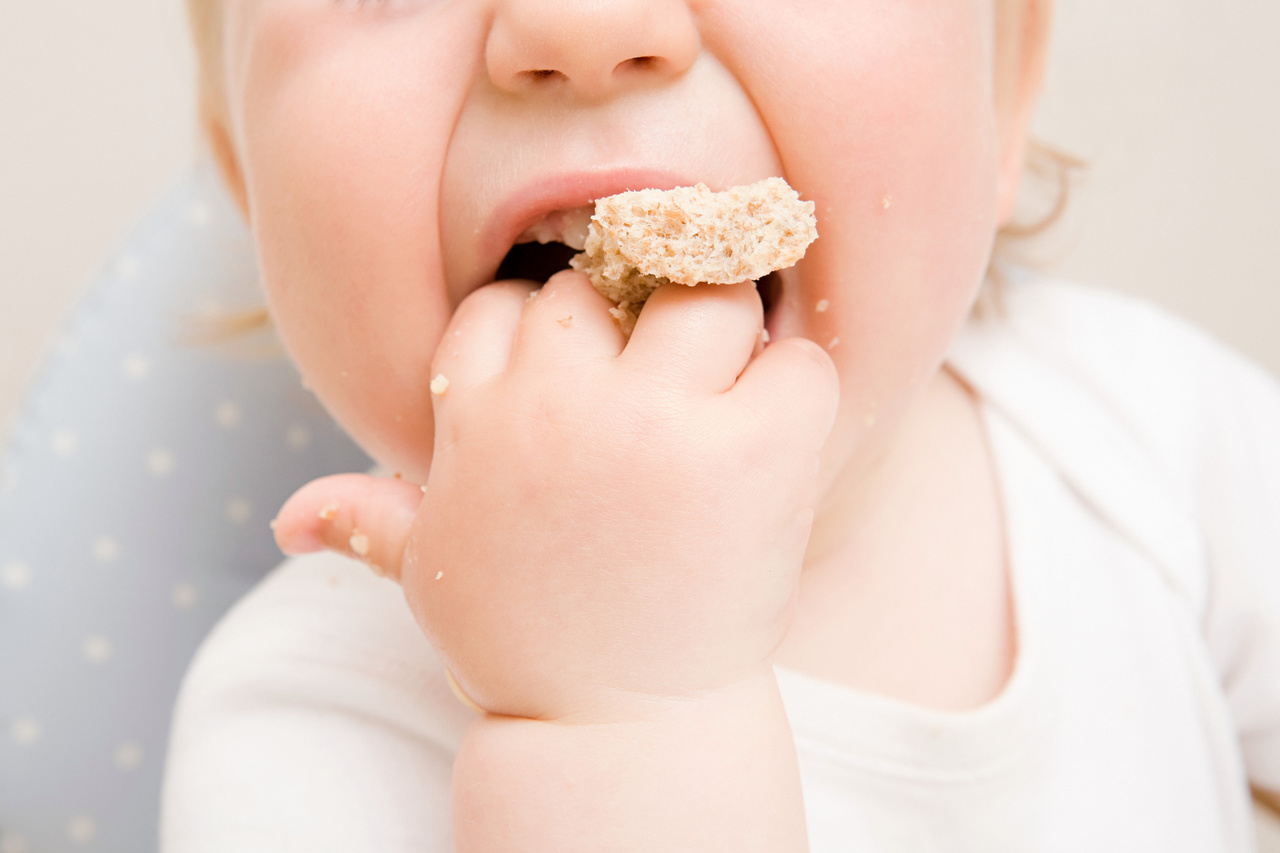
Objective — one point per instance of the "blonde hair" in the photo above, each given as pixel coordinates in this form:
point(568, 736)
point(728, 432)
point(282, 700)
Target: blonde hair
point(205, 18)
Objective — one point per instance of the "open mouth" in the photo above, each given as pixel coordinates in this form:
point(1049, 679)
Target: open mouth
point(535, 261)
point(538, 261)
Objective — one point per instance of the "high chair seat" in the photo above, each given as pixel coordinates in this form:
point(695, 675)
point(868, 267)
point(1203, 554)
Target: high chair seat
point(137, 486)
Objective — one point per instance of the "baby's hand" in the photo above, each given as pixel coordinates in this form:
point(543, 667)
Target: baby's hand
point(601, 526)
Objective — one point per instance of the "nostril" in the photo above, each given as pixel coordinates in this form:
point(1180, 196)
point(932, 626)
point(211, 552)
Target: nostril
point(639, 63)
point(542, 74)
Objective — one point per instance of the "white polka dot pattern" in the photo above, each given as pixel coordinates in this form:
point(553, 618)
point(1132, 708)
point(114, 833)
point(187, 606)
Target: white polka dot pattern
point(64, 443)
point(128, 756)
point(135, 487)
point(26, 731)
point(227, 415)
point(16, 575)
point(97, 649)
point(238, 510)
point(298, 438)
point(184, 596)
point(11, 842)
point(136, 367)
point(105, 549)
point(81, 829)
point(160, 462)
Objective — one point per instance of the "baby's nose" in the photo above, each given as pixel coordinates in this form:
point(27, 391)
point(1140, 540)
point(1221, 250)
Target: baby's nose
point(593, 48)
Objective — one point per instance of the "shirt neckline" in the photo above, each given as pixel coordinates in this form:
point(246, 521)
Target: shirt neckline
point(872, 733)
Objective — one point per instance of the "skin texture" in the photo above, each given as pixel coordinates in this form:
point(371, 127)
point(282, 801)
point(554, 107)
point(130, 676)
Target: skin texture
point(612, 546)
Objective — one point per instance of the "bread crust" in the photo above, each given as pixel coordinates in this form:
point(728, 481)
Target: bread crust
point(640, 240)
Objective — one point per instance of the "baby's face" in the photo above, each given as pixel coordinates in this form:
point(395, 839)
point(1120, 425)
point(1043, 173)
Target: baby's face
point(393, 152)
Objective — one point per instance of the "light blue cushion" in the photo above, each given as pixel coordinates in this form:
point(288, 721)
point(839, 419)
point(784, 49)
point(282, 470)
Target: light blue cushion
point(135, 494)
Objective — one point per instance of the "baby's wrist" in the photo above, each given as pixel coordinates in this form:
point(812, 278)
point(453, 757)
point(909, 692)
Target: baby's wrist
point(712, 771)
point(619, 707)
point(610, 706)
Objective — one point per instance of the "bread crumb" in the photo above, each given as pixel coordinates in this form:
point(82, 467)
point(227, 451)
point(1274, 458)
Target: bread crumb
point(439, 385)
point(625, 318)
point(359, 544)
point(887, 201)
point(822, 306)
point(328, 511)
point(835, 342)
point(439, 575)
point(527, 299)
point(566, 321)
point(424, 489)
point(764, 335)
point(272, 524)
point(399, 476)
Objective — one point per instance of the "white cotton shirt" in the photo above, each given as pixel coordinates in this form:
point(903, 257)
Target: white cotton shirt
point(1139, 465)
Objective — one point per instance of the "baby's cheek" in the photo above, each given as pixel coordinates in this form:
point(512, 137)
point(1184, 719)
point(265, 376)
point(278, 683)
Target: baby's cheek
point(344, 188)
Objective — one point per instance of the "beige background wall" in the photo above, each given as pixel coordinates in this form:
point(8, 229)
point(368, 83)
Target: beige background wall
point(1175, 103)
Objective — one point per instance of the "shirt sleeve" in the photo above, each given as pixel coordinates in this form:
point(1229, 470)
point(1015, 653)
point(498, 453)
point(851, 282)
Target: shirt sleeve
point(1239, 494)
point(315, 718)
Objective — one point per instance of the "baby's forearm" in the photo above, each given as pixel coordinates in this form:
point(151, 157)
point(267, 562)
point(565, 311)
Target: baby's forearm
point(708, 774)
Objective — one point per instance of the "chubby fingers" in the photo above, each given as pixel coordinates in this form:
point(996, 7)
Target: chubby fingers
point(568, 319)
point(366, 518)
point(794, 381)
point(477, 343)
point(706, 333)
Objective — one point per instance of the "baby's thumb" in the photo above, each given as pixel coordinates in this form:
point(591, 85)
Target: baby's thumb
point(353, 514)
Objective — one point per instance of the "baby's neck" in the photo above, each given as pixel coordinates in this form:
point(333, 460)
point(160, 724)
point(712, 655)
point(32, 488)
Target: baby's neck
point(906, 593)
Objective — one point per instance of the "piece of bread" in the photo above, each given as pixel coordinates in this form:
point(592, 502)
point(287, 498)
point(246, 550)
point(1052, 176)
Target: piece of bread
point(640, 240)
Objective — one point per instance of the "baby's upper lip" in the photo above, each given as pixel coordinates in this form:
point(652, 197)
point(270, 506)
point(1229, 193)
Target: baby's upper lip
point(531, 202)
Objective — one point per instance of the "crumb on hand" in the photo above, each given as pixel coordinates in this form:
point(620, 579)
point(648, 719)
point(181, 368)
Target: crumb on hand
point(328, 511)
point(359, 544)
point(439, 385)
point(822, 306)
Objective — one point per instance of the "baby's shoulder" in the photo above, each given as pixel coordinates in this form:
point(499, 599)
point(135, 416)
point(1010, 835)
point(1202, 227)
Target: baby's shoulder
point(1162, 430)
point(1169, 384)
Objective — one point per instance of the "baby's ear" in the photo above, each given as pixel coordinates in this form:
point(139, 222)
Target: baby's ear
point(1022, 48)
point(216, 133)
